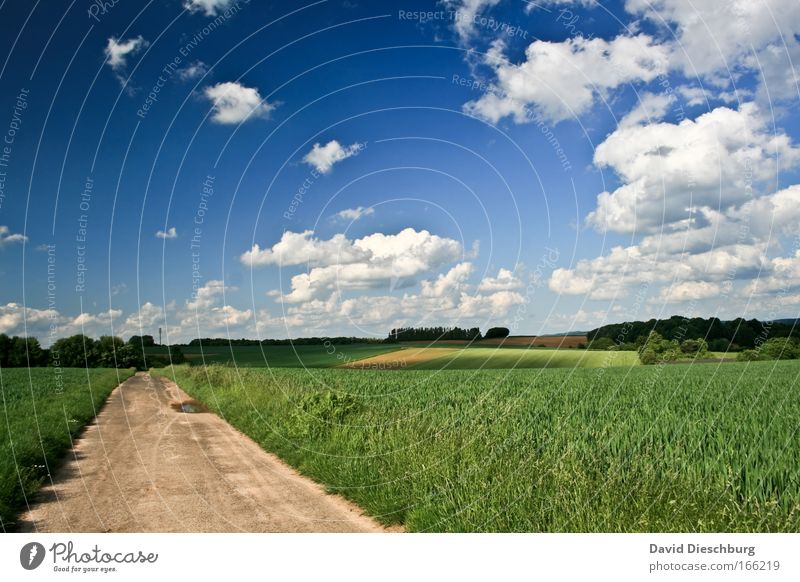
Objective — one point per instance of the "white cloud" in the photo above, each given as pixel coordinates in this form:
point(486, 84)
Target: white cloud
point(117, 52)
point(714, 36)
point(192, 71)
point(353, 214)
point(235, 103)
point(688, 291)
point(447, 298)
point(6, 237)
point(611, 276)
point(651, 107)
point(505, 281)
point(298, 248)
point(560, 80)
point(466, 11)
point(322, 158)
point(669, 171)
point(169, 234)
point(371, 262)
point(205, 313)
point(208, 7)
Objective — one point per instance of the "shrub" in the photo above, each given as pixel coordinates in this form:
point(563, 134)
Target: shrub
point(780, 348)
point(748, 356)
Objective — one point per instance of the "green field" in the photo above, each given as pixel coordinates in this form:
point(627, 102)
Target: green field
point(510, 357)
point(40, 415)
point(307, 356)
point(646, 448)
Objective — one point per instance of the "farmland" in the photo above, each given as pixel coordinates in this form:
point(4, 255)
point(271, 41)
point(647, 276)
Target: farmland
point(470, 358)
point(298, 356)
point(645, 448)
point(42, 412)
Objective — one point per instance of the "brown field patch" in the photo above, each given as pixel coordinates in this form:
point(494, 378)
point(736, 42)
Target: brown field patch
point(399, 359)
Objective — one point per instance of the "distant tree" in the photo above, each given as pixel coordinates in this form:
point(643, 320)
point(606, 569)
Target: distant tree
point(601, 343)
point(496, 332)
point(106, 350)
point(780, 348)
point(5, 350)
point(76, 351)
point(697, 348)
point(658, 349)
point(129, 356)
point(719, 345)
point(142, 341)
point(25, 352)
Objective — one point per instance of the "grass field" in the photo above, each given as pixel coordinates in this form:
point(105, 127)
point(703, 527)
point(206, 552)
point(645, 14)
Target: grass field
point(646, 448)
point(318, 356)
point(39, 417)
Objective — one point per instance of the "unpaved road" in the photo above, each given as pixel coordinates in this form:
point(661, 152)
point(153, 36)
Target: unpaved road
point(144, 466)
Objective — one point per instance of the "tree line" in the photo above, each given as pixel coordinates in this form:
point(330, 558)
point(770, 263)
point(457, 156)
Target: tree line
point(81, 351)
point(721, 336)
point(410, 334)
point(301, 341)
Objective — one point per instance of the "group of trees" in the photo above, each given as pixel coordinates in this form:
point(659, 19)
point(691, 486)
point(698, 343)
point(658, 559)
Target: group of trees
point(656, 348)
point(411, 334)
point(81, 351)
point(721, 335)
point(301, 341)
point(777, 348)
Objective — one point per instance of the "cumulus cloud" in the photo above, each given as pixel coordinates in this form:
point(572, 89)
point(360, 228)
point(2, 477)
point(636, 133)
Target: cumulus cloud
point(353, 214)
point(371, 262)
point(670, 170)
point(234, 103)
point(688, 291)
point(560, 80)
point(117, 52)
point(7, 237)
point(323, 157)
point(445, 298)
point(505, 281)
point(208, 7)
point(169, 234)
point(714, 36)
point(651, 107)
point(192, 71)
point(466, 11)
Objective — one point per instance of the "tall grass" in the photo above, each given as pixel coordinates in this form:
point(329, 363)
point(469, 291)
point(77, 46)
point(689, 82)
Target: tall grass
point(680, 448)
point(40, 413)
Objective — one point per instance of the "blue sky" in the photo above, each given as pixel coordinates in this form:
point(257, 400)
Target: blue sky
point(264, 169)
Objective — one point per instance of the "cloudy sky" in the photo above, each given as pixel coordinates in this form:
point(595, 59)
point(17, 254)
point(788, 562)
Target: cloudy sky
point(286, 169)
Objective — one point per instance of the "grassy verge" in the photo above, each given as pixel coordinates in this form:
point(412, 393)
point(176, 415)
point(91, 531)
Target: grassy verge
point(675, 448)
point(40, 413)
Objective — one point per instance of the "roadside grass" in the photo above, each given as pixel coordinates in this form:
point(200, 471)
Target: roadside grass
point(301, 356)
point(677, 448)
point(38, 420)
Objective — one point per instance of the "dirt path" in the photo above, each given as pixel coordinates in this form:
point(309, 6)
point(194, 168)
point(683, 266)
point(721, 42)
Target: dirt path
point(144, 466)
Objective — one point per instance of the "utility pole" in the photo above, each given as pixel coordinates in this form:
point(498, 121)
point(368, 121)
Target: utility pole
point(159, 336)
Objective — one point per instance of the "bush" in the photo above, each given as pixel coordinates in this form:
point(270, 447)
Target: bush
point(496, 332)
point(695, 347)
point(780, 348)
point(748, 356)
